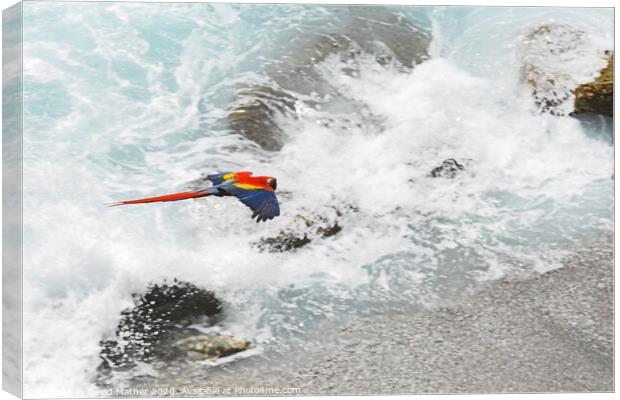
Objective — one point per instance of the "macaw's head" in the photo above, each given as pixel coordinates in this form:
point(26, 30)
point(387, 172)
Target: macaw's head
point(273, 183)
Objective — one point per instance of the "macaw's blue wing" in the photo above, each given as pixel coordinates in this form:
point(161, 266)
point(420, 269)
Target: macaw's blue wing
point(263, 203)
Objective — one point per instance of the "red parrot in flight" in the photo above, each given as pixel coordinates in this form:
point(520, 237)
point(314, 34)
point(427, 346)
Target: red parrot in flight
point(256, 192)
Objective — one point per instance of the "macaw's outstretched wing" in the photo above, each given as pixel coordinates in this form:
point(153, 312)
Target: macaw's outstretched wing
point(262, 202)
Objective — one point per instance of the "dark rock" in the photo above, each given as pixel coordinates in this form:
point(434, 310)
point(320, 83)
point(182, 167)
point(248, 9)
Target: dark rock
point(448, 169)
point(304, 231)
point(329, 230)
point(164, 312)
point(597, 97)
point(285, 241)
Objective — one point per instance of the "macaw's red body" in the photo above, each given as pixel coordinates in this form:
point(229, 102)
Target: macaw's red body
point(256, 192)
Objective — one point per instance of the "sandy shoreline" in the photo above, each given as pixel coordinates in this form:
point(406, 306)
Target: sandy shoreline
point(550, 333)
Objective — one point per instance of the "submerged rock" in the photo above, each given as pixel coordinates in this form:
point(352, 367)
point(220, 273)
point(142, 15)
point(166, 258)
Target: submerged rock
point(361, 30)
point(162, 313)
point(329, 230)
point(294, 81)
point(556, 60)
point(303, 231)
point(253, 112)
point(597, 97)
point(284, 241)
point(448, 169)
point(212, 347)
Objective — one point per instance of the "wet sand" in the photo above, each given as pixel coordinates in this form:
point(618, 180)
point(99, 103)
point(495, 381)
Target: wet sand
point(550, 333)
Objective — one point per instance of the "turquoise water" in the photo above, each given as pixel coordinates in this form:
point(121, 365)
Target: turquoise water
point(127, 100)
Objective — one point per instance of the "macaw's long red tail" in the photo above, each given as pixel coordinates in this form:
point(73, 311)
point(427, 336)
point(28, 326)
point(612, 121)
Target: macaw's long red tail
point(166, 197)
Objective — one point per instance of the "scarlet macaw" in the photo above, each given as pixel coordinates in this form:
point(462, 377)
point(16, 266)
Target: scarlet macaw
point(256, 192)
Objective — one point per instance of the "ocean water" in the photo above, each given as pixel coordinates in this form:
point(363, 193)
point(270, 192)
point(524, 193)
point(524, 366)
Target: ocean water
point(125, 100)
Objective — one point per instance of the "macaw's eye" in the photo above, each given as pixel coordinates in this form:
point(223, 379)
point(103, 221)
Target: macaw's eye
point(273, 183)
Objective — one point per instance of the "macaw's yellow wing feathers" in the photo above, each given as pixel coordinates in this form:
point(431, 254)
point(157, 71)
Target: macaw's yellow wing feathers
point(223, 177)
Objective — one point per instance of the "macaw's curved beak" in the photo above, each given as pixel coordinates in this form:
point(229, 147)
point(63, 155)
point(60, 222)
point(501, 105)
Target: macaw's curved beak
point(273, 183)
